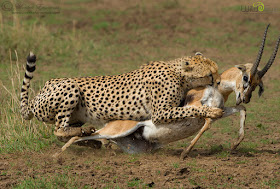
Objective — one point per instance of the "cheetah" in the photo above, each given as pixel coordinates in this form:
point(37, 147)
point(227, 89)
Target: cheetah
point(154, 91)
point(137, 137)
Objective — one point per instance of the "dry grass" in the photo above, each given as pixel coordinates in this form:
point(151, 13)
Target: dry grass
point(16, 134)
point(91, 38)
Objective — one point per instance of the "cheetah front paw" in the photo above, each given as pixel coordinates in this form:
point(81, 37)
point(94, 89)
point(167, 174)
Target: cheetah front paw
point(214, 113)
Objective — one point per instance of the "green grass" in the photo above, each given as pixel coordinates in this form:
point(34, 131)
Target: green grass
point(133, 158)
point(272, 183)
point(242, 162)
point(109, 41)
point(51, 182)
point(216, 148)
point(15, 133)
point(248, 147)
point(176, 165)
point(136, 183)
point(214, 19)
point(170, 4)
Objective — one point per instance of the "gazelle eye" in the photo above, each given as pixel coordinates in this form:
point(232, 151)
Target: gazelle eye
point(245, 78)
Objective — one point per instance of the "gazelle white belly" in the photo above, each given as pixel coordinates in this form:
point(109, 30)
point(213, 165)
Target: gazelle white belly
point(166, 133)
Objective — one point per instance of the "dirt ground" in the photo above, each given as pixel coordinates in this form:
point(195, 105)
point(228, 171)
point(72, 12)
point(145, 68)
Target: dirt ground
point(162, 169)
point(208, 166)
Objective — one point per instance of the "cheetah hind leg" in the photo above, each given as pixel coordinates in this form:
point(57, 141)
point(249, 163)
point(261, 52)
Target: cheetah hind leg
point(70, 140)
point(205, 127)
point(80, 132)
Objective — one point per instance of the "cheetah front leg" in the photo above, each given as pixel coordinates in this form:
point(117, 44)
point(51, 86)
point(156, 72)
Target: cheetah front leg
point(163, 110)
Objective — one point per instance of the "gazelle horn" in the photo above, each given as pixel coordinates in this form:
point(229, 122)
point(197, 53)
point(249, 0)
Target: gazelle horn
point(271, 60)
point(255, 66)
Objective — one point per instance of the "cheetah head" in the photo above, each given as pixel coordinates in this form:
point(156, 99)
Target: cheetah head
point(200, 71)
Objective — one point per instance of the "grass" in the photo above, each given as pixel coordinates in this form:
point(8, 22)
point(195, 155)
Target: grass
point(17, 134)
point(242, 162)
point(136, 183)
point(272, 183)
point(176, 165)
point(54, 181)
point(114, 40)
point(133, 158)
point(248, 147)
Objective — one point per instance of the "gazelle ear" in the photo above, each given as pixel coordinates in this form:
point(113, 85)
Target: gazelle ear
point(261, 89)
point(241, 67)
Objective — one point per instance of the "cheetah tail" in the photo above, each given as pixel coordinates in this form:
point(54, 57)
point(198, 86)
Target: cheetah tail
point(30, 68)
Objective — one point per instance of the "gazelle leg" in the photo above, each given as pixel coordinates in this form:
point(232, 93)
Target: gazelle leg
point(232, 110)
point(71, 141)
point(75, 138)
point(205, 127)
point(241, 130)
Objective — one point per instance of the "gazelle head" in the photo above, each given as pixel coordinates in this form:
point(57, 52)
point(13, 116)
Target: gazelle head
point(252, 77)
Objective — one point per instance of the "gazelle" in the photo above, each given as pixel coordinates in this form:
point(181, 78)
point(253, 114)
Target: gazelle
point(135, 137)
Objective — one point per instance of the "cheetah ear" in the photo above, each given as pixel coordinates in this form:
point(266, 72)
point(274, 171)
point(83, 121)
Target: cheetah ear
point(198, 53)
point(241, 67)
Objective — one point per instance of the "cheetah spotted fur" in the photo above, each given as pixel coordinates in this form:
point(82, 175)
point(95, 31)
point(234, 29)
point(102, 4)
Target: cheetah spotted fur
point(153, 91)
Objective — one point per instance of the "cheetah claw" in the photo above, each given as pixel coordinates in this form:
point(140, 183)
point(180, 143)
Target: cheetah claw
point(87, 131)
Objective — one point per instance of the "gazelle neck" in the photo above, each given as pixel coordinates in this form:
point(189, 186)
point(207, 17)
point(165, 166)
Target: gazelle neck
point(228, 82)
point(226, 87)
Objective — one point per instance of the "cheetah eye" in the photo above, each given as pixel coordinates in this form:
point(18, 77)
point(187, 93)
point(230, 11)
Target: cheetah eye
point(245, 78)
point(187, 63)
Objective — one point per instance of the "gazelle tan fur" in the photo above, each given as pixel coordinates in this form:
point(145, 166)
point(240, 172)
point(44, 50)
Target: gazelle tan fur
point(241, 79)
